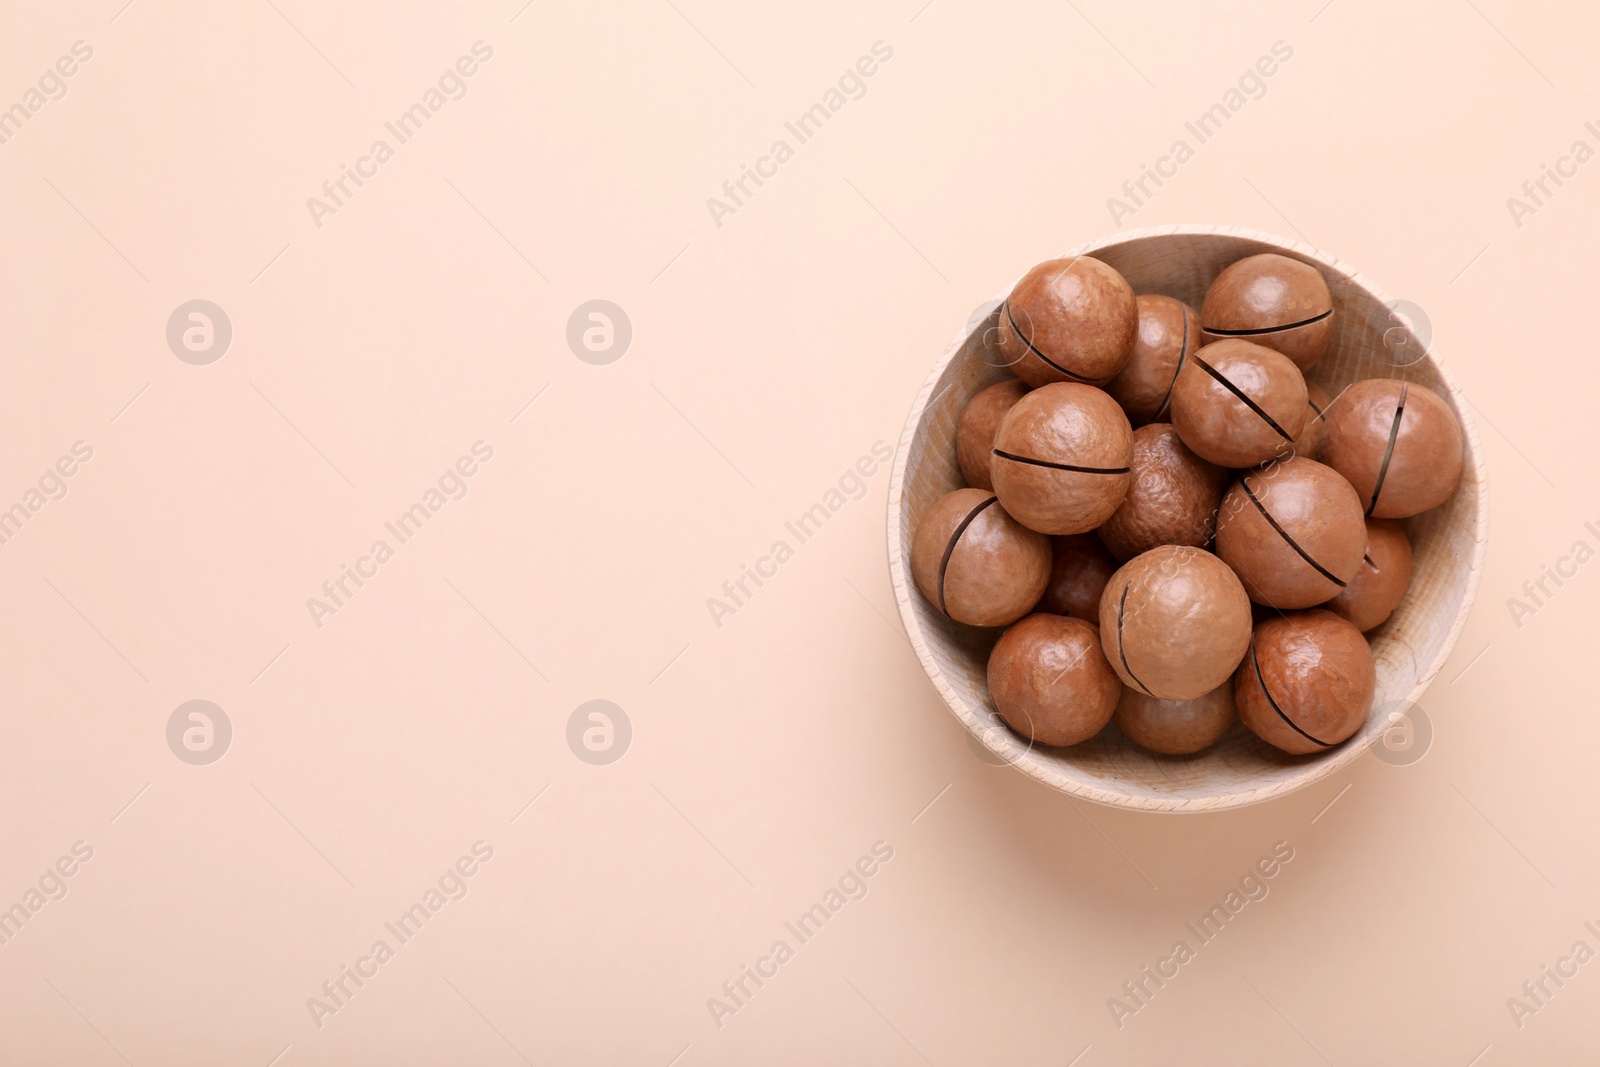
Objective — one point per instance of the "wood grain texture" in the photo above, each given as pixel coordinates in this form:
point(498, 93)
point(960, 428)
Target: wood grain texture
point(1409, 649)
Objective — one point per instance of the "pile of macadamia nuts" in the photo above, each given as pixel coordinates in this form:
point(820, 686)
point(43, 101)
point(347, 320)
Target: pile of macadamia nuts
point(1176, 529)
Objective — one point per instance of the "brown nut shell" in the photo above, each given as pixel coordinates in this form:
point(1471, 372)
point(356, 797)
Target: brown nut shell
point(1381, 580)
point(1293, 532)
point(1397, 443)
point(1309, 443)
point(1050, 681)
point(1238, 404)
point(976, 429)
point(1307, 683)
point(1068, 320)
point(1274, 301)
point(1079, 571)
point(977, 564)
point(1061, 456)
point(1169, 332)
point(1175, 622)
point(1176, 727)
point(1172, 498)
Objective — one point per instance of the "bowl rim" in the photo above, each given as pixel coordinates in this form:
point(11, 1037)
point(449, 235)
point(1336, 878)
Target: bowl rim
point(1309, 772)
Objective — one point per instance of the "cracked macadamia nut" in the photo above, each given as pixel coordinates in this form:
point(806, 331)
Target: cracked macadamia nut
point(1397, 443)
point(1050, 682)
point(1078, 576)
point(1172, 499)
point(1309, 442)
point(1380, 582)
point(1176, 727)
point(1169, 332)
point(976, 563)
point(1175, 622)
point(1293, 533)
point(1274, 301)
point(1060, 463)
point(1068, 320)
point(1307, 683)
point(1238, 404)
point(975, 431)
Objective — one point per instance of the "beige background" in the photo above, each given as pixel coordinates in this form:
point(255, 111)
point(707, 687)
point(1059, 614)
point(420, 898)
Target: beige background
point(768, 354)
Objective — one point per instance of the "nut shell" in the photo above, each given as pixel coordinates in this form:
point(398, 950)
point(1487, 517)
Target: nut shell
point(1397, 443)
point(1175, 622)
point(1275, 301)
point(976, 429)
point(1307, 683)
point(1078, 574)
point(1068, 320)
point(1381, 580)
point(1293, 532)
point(1168, 333)
point(1309, 443)
point(1238, 404)
point(1172, 499)
point(976, 563)
point(1050, 681)
point(1061, 456)
point(1176, 727)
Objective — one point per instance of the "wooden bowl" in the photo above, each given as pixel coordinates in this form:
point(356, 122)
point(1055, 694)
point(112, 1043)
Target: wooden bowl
point(1240, 769)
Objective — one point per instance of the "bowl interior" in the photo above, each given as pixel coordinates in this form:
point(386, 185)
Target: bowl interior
point(1369, 341)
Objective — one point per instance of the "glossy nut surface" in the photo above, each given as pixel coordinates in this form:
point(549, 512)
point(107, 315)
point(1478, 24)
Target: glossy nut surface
point(1176, 727)
point(1172, 499)
point(1309, 443)
point(976, 429)
point(1397, 443)
point(1275, 301)
point(1175, 622)
point(1293, 533)
point(1080, 568)
point(1060, 463)
point(1068, 320)
point(977, 564)
point(1307, 683)
point(1238, 404)
point(1050, 681)
point(1168, 333)
point(1381, 580)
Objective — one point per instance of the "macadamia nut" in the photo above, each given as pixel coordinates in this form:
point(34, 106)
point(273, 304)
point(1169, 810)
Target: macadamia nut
point(1169, 332)
point(1274, 301)
point(1293, 533)
point(1068, 320)
point(1078, 574)
point(1175, 622)
point(1397, 443)
point(1381, 580)
point(1176, 727)
point(1172, 498)
point(1238, 404)
point(1061, 456)
point(1050, 681)
point(976, 429)
point(976, 563)
point(1307, 683)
